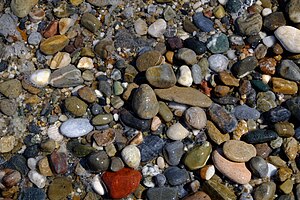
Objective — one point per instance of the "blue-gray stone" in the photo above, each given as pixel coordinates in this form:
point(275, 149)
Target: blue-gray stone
point(196, 45)
point(19, 163)
point(233, 6)
point(289, 70)
point(162, 193)
point(132, 121)
point(218, 43)
point(226, 100)
point(293, 105)
point(197, 74)
point(68, 76)
point(202, 22)
point(246, 112)
point(35, 38)
point(32, 194)
point(259, 136)
point(173, 152)
point(105, 88)
point(297, 133)
point(76, 127)
point(277, 114)
point(160, 180)
point(245, 66)
point(151, 147)
point(176, 176)
point(258, 167)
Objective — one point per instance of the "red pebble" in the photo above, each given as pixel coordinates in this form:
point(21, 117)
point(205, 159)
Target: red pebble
point(59, 162)
point(121, 183)
point(51, 29)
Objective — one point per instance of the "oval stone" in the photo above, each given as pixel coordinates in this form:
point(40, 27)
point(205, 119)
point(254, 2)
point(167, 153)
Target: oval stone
point(144, 102)
point(54, 44)
point(161, 76)
point(195, 117)
point(238, 151)
point(259, 136)
point(177, 132)
point(289, 38)
point(76, 127)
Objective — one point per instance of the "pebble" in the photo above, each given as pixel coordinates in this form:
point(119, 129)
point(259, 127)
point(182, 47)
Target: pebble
point(54, 44)
point(277, 114)
point(140, 27)
point(195, 117)
point(61, 59)
point(144, 102)
point(76, 127)
point(161, 193)
point(59, 188)
point(65, 24)
point(197, 157)
point(218, 62)
point(245, 112)
point(90, 22)
point(97, 186)
point(164, 112)
point(233, 6)
point(240, 174)
point(121, 183)
point(284, 129)
point(173, 152)
point(22, 8)
point(161, 76)
point(284, 86)
point(197, 46)
point(177, 132)
point(158, 28)
point(223, 119)
point(228, 79)
point(216, 190)
point(87, 94)
point(11, 88)
point(34, 38)
point(202, 22)
point(258, 167)
point(33, 193)
point(290, 147)
point(76, 106)
point(176, 176)
point(265, 101)
point(11, 178)
point(184, 95)
point(199, 195)
point(131, 156)
point(265, 191)
point(8, 107)
point(68, 76)
point(116, 164)
point(102, 119)
point(218, 43)
point(238, 151)
point(196, 74)
point(85, 63)
point(132, 121)
point(44, 167)
point(59, 161)
point(249, 24)
point(98, 161)
point(245, 66)
point(187, 55)
point(148, 59)
point(36, 178)
point(289, 70)
point(293, 105)
point(207, 172)
point(185, 76)
point(7, 143)
point(259, 136)
point(105, 137)
point(287, 35)
point(293, 11)
point(150, 148)
point(215, 135)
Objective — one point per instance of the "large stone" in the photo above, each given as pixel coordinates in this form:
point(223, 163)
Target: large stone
point(289, 38)
point(76, 127)
point(197, 157)
point(68, 76)
point(161, 76)
point(238, 151)
point(289, 70)
point(184, 95)
point(294, 10)
point(90, 22)
point(11, 88)
point(59, 188)
point(249, 24)
point(21, 8)
point(54, 44)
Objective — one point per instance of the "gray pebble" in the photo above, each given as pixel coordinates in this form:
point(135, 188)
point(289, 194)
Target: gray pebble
point(35, 38)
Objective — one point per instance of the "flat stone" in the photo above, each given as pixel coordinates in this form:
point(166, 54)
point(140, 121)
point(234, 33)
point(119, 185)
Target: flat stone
point(249, 24)
point(284, 86)
point(59, 188)
point(102, 119)
point(244, 67)
point(161, 193)
point(173, 152)
point(228, 79)
point(148, 59)
point(144, 102)
point(238, 151)
point(76, 127)
point(90, 22)
point(184, 95)
point(245, 112)
point(240, 174)
point(274, 20)
point(218, 43)
point(33, 193)
point(288, 37)
point(289, 70)
point(216, 190)
point(161, 76)
point(258, 167)
point(259, 136)
point(223, 119)
point(11, 88)
point(22, 8)
point(68, 76)
point(197, 157)
point(54, 44)
point(187, 55)
point(215, 135)
point(132, 121)
point(176, 176)
point(177, 132)
point(202, 22)
point(151, 147)
point(218, 62)
point(277, 114)
point(121, 183)
point(265, 191)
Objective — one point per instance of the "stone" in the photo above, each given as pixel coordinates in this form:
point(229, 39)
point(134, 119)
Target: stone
point(105, 88)
point(287, 35)
point(202, 22)
point(274, 20)
point(293, 105)
point(76, 127)
point(245, 66)
point(185, 76)
point(173, 152)
point(75, 106)
point(277, 114)
point(87, 94)
point(177, 132)
point(258, 167)
point(267, 65)
point(44, 167)
point(197, 46)
point(187, 55)
point(59, 161)
point(259, 136)
point(61, 59)
point(98, 161)
point(176, 176)
point(140, 27)
point(228, 79)
point(35, 38)
point(199, 195)
point(290, 147)
point(60, 188)
point(7, 143)
point(90, 22)
point(245, 112)
point(11, 88)
point(174, 43)
point(105, 137)
point(266, 101)
point(158, 28)
point(151, 147)
point(289, 70)
point(65, 24)
point(121, 183)
point(22, 8)
point(207, 172)
point(284, 129)
point(116, 164)
point(11, 178)
point(197, 74)
point(51, 29)
point(85, 63)
point(218, 62)
point(97, 186)
point(249, 24)
point(197, 157)
point(215, 135)
point(33, 193)
point(148, 59)
point(240, 174)
point(132, 121)
point(17, 162)
point(8, 107)
point(287, 186)
point(161, 76)
point(218, 43)
point(68, 76)
point(37, 179)
point(284, 86)
point(238, 151)
point(195, 117)
point(164, 112)
point(260, 86)
point(265, 191)
point(131, 156)
point(223, 119)
point(161, 193)
point(293, 8)
point(40, 78)
point(216, 190)
point(188, 26)
point(144, 102)
point(184, 95)
point(284, 173)
point(102, 119)
point(54, 44)
point(233, 6)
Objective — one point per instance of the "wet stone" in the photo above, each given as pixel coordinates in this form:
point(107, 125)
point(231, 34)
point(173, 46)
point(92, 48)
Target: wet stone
point(68, 76)
point(289, 70)
point(148, 59)
point(102, 119)
point(76, 127)
point(202, 22)
point(132, 121)
point(173, 152)
point(284, 129)
point(161, 76)
point(238, 151)
point(245, 112)
point(90, 22)
point(259, 136)
point(197, 157)
point(277, 114)
point(98, 161)
point(216, 190)
point(59, 162)
point(75, 106)
point(265, 191)
point(151, 147)
point(258, 166)
point(176, 176)
point(197, 46)
point(245, 66)
point(60, 188)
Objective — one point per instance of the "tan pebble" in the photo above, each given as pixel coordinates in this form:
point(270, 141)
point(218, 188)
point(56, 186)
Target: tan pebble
point(290, 146)
point(64, 25)
point(240, 130)
point(207, 172)
point(240, 174)
point(170, 56)
point(54, 44)
point(138, 139)
point(284, 86)
point(85, 63)
point(284, 173)
point(160, 162)
point(215, 135)
point(156, 122)
point(198, 196)
point(238, 151)
point(44, 167)
point(7, 143)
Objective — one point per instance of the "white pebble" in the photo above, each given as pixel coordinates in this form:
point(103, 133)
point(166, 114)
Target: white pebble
point(54, 134)
point(218, 62)
point(61, 59)
point(97, 186)
point(271, 170)
point(222, 2)
point(85, 63)
point(64, 25)
point(266, 78)
point(185, 76)
point(161, 162)
point(158, 28)
point(177, 132)
point(31, 163)
point(231, 54)
point(37, 179)
point(140, 27)
point(269, 41)
point(266, 11)
point(131, 155)
point(41, 77)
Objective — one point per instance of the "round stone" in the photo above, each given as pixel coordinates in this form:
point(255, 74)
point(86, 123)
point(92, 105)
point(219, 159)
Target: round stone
point(218, 62)
point(148, 59)
point(21, 8)
point(187, 55)
point(59, 188)
point(258, 167)
point(288, 37)
point(54, 44)
point(218, 43)
point(131, 156)
point(41, 77)
point(289, 70)
point(98, 161)
point(265, 191)
point(245, 112)
point(90, 22)
point(161, 76)
point(8, 107)
point(11, 88)
point(195, 117)
point(76, 127)
point(238, 151)
point(75, 106)
point(7, 143)
point(102, 119)
point(158, 28)
point(177, 132)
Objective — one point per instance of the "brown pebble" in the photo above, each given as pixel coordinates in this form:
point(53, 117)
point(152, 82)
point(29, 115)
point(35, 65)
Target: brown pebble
point(290, 147)
point(44, 167)
point(277, 49)
point(228, 79)
point(11, 178)
point(284, 173)
point(221, 90)
point(87, 94)
point(268, 65)
point(104, 138)
point(51, 29)
point(58, 161)
point(283, 86)
point(263, 150)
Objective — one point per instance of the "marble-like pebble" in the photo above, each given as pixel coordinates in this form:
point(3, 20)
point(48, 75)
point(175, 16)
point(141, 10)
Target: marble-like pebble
point(185, 76)
point(76, 127)
point(131, 156)
point(218, 62)
point(177, 132)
